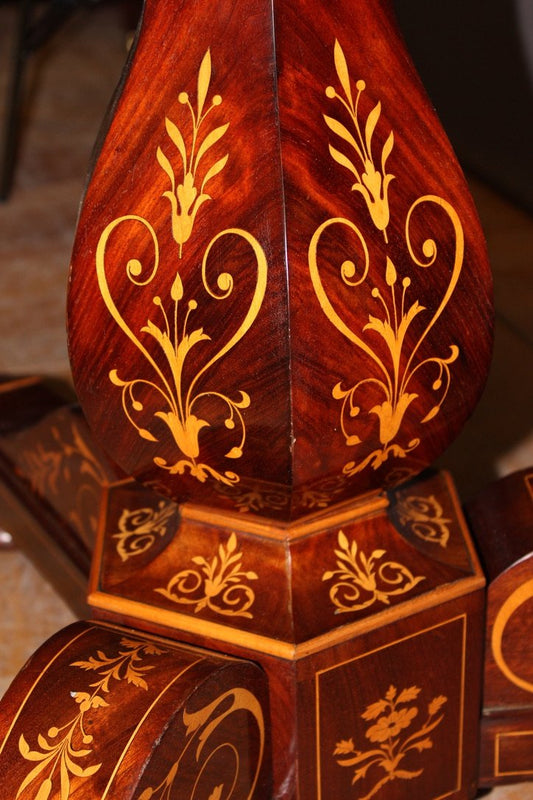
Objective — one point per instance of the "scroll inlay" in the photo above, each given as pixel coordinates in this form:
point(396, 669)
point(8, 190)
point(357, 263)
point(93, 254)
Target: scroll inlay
point(173, 345)
point(361, 580)
point(397, 319)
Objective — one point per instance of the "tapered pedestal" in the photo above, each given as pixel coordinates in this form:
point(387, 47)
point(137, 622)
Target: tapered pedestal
point(367, 620)
point(279, 309)
point(285, 275)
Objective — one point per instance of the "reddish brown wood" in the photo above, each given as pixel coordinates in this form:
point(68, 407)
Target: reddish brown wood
point(506, 743)
point(104, 712)
point(279, 311)
point(337, 609)
point(269, 580)
point(502, 522)
point(270, 72)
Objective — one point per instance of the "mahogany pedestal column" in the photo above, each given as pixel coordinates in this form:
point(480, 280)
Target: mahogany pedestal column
point(279, 314)
point(290, 275)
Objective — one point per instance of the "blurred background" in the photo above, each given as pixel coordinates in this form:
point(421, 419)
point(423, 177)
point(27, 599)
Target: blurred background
point(475, 58)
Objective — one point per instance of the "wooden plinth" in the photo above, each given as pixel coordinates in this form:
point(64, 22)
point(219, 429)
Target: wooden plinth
point(506, 747)
point(367, 620)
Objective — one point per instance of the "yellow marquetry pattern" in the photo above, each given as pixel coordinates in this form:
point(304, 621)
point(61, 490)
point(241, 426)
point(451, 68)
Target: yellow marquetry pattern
point(65, 751)
point(177, 339)
point(393, 733)
point(200, 727)
point(519, 597)
point(360, 581)
point(187, 196)
point(397, 319)
point(139, 529)
point(425, 517)
point(49, 469)
point(371, 182)
point(219, 584)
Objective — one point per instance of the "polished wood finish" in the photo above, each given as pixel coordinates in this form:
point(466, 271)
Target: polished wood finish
point(280, 346)
point(502, 522)
point(281, 587)
point(336, 608)
point(104, 712)
point(279, 313)
point(331, 345)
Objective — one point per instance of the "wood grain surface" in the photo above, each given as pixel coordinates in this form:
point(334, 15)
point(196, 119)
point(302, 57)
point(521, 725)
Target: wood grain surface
point(279, 311)
point(337, 609)
point(102, 712)
point(279, 285)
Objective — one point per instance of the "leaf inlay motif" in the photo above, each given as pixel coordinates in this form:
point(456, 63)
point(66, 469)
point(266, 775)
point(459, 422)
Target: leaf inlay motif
point(392, 719)
point(171, 344)
point(398, 324)
point(219, 584)
point(360, 581)
point(64, 749)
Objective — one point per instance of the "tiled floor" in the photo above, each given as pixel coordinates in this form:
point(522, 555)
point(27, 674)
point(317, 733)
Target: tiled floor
point(70, 84)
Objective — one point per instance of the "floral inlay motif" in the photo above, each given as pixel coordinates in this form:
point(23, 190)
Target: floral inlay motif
point(218, 584)
point(187, 197)
point(174, 346)
point(370, 182)
point(320, 494)
point(425, 517)
point(43, 467)
point(361, 580)
point(200, 725)
point(257, 496)
point(140, 528)
point(399, 324)
point(392, 721)
point(63, 750)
